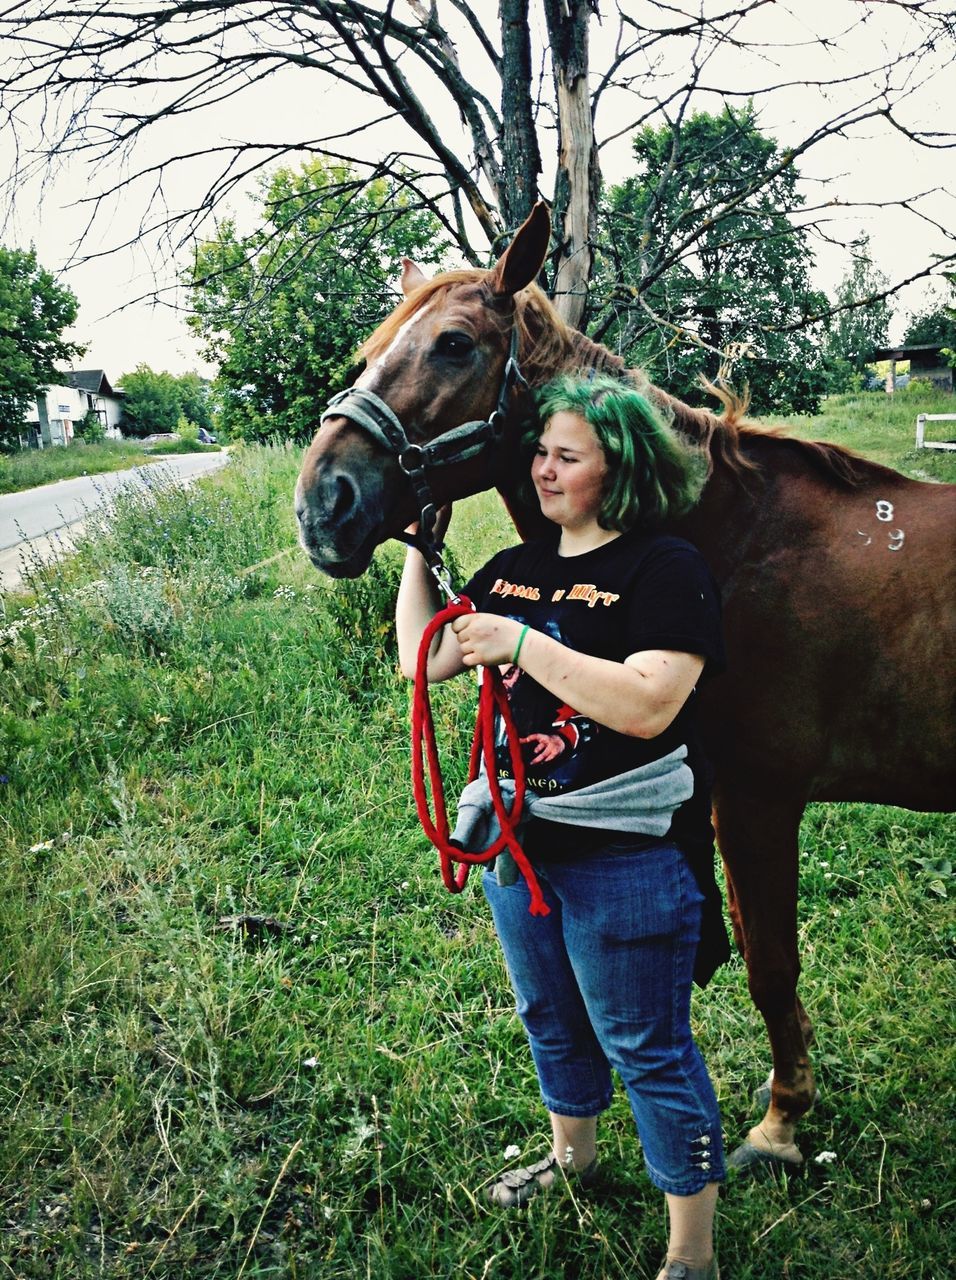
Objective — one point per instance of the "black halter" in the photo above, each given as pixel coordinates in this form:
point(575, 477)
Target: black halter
point(368, 411)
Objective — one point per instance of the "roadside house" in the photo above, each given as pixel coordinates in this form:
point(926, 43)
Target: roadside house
point(65, 404)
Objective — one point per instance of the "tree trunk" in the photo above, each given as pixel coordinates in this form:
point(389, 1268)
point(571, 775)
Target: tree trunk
point(578, 180)
point(521, 158)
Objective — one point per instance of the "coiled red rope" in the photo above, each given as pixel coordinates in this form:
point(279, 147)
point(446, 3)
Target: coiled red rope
point(492, 697)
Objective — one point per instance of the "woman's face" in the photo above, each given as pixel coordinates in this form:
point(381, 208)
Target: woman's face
point(568, 472)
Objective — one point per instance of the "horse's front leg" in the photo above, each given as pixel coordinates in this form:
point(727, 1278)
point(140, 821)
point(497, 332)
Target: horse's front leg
point(759, 843)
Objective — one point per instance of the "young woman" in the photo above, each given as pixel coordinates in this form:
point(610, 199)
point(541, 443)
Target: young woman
point(604, 631)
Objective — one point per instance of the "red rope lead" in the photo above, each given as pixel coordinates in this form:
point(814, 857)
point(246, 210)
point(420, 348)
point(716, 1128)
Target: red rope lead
point(492, 697)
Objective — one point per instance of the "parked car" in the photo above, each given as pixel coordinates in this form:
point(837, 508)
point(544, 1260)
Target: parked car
point(206, 437)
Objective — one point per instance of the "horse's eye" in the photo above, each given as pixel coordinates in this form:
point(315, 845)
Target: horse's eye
point(454, 344)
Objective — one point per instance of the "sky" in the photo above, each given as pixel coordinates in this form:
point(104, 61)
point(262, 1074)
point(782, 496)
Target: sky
point(121, 334)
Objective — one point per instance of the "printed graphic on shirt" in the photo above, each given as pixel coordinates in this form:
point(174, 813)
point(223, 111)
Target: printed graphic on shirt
point(502, 587)
point(584, 591)
point(589, 593)
point(554, 737)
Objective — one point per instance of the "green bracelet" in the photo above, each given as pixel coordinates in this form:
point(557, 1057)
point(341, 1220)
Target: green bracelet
point(524, 631)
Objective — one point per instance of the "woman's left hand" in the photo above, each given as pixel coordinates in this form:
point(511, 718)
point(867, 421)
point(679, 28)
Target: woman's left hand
point(486, 640)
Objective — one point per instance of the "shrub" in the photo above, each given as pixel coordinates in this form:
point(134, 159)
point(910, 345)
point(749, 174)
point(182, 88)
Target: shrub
point(187, 430)
point(139, 609)
point(91, 429)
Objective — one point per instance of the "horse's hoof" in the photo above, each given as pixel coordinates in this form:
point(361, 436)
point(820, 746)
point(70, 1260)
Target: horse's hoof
point(751, 1160)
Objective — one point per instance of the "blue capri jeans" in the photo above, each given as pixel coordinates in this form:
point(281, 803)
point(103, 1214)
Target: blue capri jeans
point(604, 982)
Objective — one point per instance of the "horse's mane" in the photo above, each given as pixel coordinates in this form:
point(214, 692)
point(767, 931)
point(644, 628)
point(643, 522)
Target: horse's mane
point(549, 346)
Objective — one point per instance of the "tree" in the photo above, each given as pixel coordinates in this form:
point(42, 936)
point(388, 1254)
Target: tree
point(194, 399)
point(741, 304)
point(936, 324)
point(34, 311)
point(474, 121)
point(154, 402)
point(283, 309)
point(860, 323)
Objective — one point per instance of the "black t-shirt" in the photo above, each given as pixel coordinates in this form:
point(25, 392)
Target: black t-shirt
point(640, 591)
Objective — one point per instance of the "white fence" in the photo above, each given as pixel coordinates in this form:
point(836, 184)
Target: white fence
point(921, 421)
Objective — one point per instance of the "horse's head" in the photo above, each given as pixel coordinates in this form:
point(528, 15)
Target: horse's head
point(436, 363)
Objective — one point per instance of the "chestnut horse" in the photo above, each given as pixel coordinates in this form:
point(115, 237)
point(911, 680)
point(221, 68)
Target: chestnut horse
point(837, 578)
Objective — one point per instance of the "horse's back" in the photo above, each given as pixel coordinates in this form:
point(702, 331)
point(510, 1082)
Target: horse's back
point(840, 616)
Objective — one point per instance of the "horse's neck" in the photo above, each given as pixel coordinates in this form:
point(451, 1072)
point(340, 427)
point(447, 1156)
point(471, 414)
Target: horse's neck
point(589, 357)
point(586, 357)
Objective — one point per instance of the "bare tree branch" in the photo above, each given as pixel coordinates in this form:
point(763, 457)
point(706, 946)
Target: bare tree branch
point(473, 122)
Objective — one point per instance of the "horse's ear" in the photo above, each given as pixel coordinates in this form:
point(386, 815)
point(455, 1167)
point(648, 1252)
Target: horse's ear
point(520, 263)
point(413, 277)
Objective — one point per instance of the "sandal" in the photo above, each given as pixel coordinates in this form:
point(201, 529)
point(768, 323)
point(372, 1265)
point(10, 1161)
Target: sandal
point(681, 1271)
point(516, 1187)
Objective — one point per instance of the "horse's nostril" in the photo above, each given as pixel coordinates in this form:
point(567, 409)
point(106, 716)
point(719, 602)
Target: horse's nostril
point(342, 498)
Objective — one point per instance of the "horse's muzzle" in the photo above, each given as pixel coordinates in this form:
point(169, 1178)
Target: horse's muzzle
point(335, 531)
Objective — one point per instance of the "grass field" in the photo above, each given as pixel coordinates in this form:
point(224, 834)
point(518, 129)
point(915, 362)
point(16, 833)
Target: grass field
point(187, 738)
point(32, 467)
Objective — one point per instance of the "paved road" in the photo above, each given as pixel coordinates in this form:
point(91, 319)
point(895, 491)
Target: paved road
point(44, 517)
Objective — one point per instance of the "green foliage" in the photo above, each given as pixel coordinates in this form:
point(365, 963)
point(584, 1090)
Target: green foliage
point(186, 444)
point(194, 399)
point(156, 401)
point(855, 333)
point(728, 302)
point(161, 524)
point(187, 430)
point(91, 429)
point(30, 467)
point(34, 311)
point(932, 327)
point(936, 324)
point(282, 311)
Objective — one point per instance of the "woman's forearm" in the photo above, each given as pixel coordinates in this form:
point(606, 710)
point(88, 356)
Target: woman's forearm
point(418, 602)
point(639, 697)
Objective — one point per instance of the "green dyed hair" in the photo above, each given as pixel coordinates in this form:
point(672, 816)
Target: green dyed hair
point(652, 475)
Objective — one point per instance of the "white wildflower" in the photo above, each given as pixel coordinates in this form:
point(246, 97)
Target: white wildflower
point(825, 1157)
point(310, 1062)
point(512, 1152)
point(38, 848)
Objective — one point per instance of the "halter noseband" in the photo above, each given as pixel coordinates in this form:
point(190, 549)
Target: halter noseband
point(368, 411)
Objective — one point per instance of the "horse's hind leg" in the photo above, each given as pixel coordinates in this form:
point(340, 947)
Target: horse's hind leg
point(759, 843)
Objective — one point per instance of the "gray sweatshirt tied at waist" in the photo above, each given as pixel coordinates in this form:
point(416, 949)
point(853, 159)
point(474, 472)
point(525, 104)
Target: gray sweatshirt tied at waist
point(641, 800)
